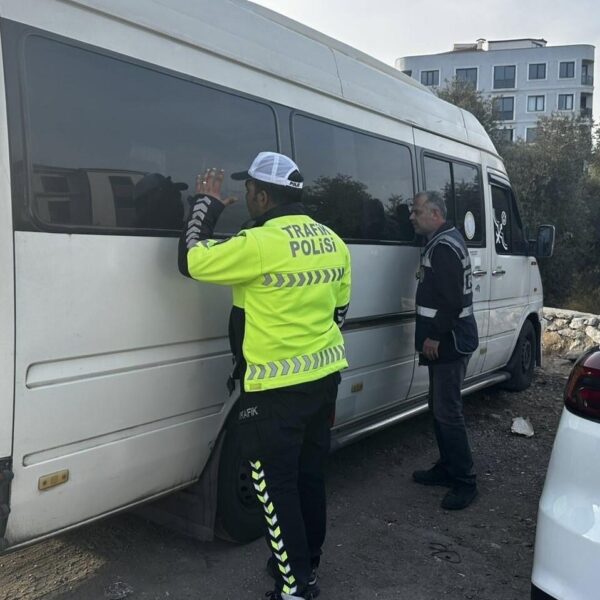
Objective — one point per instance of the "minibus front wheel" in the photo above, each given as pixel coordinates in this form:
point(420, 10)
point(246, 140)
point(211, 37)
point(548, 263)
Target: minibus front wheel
point(521, 363)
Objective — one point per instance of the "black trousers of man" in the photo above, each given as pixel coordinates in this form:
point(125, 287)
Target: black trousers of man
point(286, 433)
point(445, 403)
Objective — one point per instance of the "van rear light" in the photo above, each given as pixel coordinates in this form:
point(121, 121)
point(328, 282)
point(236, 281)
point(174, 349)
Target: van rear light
point(582, 394)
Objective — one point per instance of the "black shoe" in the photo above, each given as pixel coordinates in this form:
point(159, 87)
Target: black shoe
point(313, 588)
point(276, 595)
point(437, 475)
point(459, 497)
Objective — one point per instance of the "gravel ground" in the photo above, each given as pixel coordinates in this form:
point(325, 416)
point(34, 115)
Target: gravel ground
point(388, 538)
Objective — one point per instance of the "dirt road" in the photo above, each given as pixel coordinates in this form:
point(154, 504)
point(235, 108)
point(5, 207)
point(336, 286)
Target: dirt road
point(388, 538)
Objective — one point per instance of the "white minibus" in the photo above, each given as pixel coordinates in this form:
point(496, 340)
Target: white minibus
point(113, 366)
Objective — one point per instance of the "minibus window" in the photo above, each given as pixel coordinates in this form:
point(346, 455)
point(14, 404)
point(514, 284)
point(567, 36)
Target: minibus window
point(438, 178)
point(508, 229)
point(98, 125)
point(460, 186)
point(469, 203)
point(502, 219)
point(359, 185)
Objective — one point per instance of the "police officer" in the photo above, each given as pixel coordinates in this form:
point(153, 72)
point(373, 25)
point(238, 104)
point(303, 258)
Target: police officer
point(445, 337)
point(291, 288)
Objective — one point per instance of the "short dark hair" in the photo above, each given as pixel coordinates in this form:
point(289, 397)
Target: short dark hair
point(436, 200)
point(280, 194)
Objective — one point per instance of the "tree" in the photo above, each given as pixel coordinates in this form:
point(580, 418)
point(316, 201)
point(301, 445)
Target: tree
point(464, 95)
point(551, 178)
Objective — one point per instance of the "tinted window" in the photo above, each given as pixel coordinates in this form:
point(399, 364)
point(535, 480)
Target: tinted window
point(504, 108)
point(504, 77)
point(98, 125)
point(469, 202)
point(508, 231)
point(531, 134)
point(438, 178)
point(567, 70)
point(537, 71)
point(460, 186)
point(467, 75)
point(359, 185)
point(430, 78)
point(565, 102)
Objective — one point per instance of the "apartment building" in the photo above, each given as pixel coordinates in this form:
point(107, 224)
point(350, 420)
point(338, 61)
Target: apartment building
point(526, 78)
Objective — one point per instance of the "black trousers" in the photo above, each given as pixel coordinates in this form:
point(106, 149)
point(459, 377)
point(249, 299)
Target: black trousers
point(286, 433)
point(445, 402)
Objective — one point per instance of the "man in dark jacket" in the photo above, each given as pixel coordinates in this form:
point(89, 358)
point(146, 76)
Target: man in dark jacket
point(445, 337)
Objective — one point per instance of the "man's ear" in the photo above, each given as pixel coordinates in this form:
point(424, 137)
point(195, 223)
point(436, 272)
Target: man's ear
point(263, 198)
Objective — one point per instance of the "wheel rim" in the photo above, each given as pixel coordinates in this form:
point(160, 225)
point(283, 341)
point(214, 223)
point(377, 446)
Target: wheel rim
point(245, 488)
point(526, 355)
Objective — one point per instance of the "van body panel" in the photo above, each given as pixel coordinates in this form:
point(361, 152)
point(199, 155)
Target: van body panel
point(7, 292)
point(368, 387)
point(134, 374)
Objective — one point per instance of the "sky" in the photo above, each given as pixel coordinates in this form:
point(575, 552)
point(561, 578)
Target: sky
point(388, 29)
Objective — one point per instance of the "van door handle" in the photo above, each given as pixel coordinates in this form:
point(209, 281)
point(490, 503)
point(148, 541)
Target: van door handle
point(479, 273)
point(498, 271)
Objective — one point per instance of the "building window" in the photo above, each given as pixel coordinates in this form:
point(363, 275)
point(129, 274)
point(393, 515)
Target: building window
point(467, 75)
point(506, 134)
point(586, 74)
point(531, 134)
point(408, 72)
point(565, 102)
point(537, 71)
point(567, 70)
point(504, 108)
point(504, 77)
point(430, 78)
point(536, 103)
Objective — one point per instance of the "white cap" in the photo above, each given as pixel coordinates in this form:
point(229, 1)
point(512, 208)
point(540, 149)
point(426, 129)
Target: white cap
point(271, 167)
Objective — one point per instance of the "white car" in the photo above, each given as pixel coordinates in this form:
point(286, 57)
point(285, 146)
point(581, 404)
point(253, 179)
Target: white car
point(566, 563)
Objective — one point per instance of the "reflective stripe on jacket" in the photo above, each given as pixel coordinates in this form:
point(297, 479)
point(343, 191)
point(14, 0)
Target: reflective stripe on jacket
point(289, 276)
point(445, 297)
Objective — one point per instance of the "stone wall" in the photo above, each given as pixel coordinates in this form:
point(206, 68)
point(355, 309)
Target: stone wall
point(569, 333)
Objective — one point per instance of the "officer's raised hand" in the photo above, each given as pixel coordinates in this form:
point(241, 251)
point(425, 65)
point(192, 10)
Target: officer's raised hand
point(209, 184)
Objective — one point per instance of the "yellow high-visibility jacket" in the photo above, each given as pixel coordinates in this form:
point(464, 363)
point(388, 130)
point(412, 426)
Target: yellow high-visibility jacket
point(289, 276)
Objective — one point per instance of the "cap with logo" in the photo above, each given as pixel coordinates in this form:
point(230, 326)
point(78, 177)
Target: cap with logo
point(272, 167)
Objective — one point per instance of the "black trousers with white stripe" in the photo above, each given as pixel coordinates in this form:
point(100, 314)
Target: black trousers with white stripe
point(286, 434)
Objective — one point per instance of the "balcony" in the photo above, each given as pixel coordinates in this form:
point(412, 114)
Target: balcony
point(587, 80)
point(586, 113)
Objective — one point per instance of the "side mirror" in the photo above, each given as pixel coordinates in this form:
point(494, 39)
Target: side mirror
point(545, 241)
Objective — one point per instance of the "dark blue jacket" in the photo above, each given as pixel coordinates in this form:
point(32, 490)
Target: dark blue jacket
point(445, 297)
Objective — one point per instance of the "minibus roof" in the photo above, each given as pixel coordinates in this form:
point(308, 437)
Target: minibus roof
point(267, 41)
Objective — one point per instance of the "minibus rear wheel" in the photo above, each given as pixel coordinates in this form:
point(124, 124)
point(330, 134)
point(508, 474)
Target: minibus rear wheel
point(239, 515)
point(521, 363)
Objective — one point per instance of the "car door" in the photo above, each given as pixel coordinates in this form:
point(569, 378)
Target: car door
point(509, 282)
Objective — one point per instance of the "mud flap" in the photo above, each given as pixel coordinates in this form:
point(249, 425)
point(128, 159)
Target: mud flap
point(6, 476)
point(191, 511)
